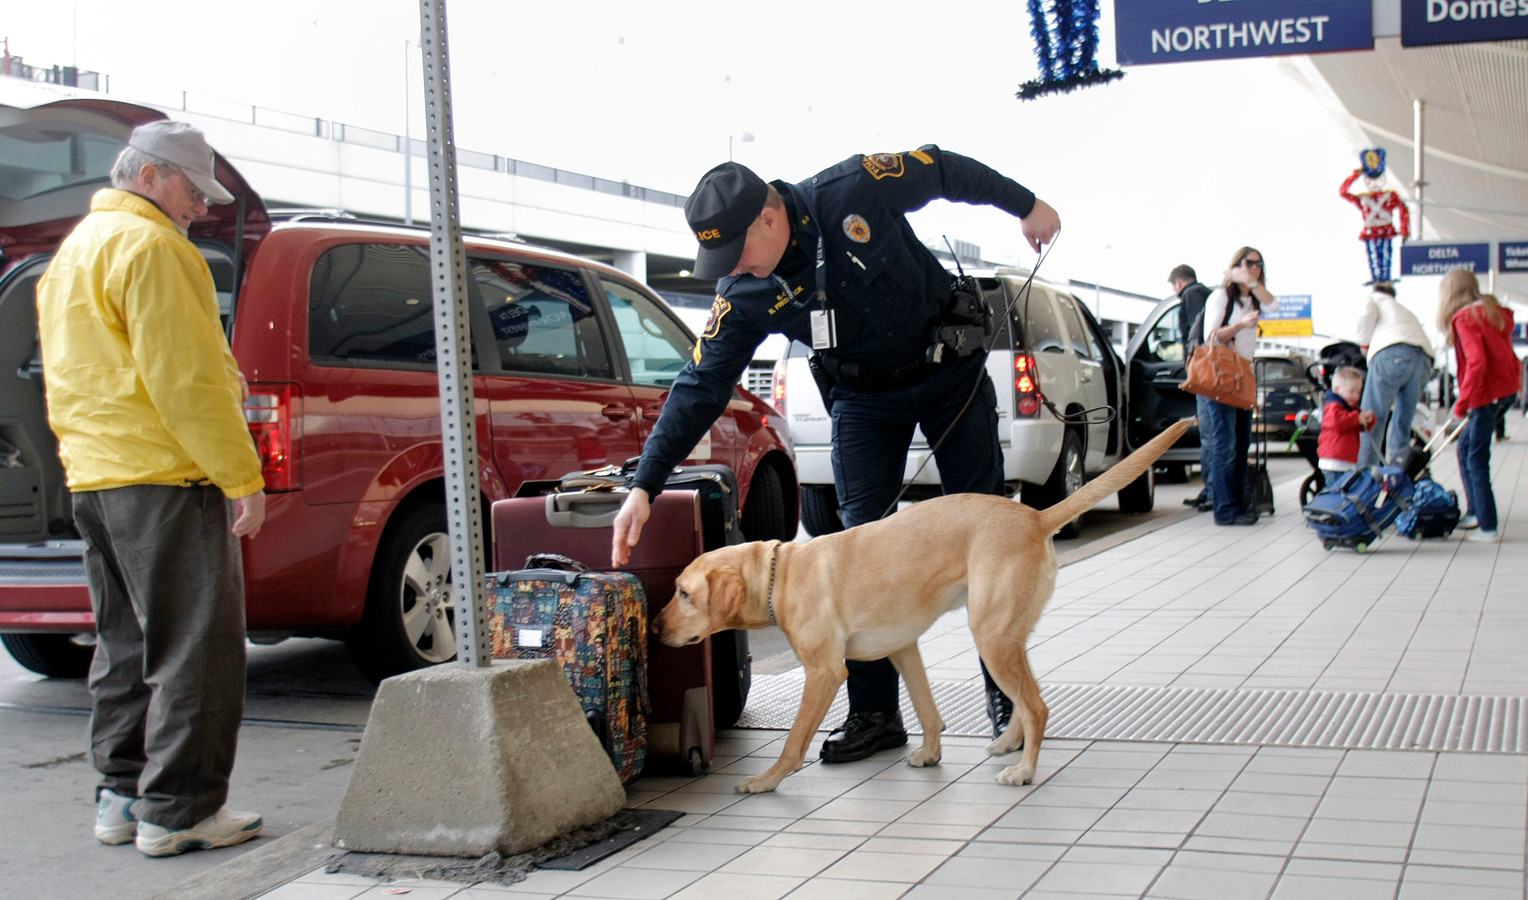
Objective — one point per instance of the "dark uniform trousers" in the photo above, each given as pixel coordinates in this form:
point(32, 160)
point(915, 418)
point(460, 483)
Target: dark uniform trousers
point(167, 682)
point(871, 436)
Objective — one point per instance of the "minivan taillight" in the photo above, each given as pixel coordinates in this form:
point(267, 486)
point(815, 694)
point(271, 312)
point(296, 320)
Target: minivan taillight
point(270, 416)
point(1026, 386)
point(777, 390)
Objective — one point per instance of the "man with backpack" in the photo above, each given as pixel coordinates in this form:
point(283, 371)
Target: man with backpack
point(1186, 284)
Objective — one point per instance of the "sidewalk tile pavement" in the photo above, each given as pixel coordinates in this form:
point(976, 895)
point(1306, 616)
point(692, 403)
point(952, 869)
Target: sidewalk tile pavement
point(1189, 605)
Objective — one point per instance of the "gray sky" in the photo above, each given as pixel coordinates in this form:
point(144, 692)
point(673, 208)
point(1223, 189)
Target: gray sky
point(1179, 163)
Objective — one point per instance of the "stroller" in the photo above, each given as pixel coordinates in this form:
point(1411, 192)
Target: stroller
point(1356, 511)
point(1308, 426)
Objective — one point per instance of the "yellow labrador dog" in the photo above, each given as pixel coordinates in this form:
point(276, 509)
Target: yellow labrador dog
point(871, 591)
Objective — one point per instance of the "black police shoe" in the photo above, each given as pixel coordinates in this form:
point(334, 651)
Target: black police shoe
point(863, 735)
point(999, 710)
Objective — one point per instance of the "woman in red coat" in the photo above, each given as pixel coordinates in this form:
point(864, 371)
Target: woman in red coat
point(1480, 331)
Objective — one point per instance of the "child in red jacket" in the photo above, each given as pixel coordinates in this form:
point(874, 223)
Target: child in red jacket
point(1341, 423)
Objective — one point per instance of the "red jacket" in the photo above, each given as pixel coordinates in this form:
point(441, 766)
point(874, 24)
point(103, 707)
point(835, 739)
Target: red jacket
point(1339, 430)
point(1488, 367)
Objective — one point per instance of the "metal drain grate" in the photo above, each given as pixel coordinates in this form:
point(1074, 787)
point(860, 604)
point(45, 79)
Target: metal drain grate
point(1326, 719)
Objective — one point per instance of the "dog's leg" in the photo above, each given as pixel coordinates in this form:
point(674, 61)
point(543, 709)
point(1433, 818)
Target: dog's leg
point(1008, 663)
point(817, 695)
point(909, 663)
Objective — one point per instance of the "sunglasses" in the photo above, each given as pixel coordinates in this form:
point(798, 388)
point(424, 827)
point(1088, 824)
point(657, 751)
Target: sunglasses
point(1253, 262)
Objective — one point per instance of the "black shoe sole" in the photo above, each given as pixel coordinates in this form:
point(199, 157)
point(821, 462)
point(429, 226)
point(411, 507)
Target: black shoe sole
point(887, 742)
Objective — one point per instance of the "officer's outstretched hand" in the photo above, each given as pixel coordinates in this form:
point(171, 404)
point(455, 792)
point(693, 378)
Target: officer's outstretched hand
point(1041, 225)
point(628, 526)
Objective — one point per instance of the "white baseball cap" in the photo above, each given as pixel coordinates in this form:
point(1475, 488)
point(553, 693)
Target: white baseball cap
point(184, 146)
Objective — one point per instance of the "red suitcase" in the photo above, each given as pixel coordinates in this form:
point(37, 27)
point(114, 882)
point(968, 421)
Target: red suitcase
point(680, 732)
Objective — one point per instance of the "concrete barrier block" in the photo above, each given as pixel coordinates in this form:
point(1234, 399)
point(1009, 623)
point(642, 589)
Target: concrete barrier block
point(460, 761)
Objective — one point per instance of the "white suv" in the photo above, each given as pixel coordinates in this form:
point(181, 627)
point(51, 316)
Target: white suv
point(1048, 347)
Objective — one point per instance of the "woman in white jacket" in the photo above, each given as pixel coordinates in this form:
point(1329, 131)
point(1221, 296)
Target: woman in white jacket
point(1230, 318)
point(1400, 362)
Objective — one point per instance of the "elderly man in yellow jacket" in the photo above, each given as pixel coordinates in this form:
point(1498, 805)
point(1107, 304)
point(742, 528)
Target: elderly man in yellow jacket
point(145, 399)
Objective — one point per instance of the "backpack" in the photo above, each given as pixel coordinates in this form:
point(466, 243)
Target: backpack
point(1196, 330)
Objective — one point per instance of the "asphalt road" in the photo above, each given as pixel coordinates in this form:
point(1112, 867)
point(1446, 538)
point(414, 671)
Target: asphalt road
point(306, 708)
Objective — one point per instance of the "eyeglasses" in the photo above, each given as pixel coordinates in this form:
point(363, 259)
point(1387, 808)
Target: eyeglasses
point(197, 194)
point(1253, 262)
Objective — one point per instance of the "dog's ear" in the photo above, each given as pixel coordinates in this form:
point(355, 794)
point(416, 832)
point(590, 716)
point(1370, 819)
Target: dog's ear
point(724, 596)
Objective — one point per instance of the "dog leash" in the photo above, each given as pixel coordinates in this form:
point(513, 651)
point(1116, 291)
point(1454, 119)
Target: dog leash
point(769, 598)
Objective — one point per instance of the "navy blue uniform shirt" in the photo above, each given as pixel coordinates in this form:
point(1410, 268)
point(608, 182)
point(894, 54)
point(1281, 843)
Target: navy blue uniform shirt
point(886, 289)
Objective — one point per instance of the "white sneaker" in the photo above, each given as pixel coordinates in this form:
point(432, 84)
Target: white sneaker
point(1467, 523)
point(1483, 536)
point(115, 822)
point(221, 829)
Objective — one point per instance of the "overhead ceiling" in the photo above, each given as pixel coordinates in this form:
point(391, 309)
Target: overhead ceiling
point(1475, 130)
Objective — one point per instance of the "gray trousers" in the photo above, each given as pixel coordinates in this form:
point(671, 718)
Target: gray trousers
point(167, 682)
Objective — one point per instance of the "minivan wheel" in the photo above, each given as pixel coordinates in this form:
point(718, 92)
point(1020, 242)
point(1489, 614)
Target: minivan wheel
point(819, 509)
point(53, 655)
point(1065, 480)
point(763, 516)
point(409, 622)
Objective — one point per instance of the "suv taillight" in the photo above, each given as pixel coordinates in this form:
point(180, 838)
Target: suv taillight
point(269, 414)
point(1026, 386)
point(777, 390)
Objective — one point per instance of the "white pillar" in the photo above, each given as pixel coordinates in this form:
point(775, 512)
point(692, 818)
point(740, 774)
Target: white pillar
point(632, 262)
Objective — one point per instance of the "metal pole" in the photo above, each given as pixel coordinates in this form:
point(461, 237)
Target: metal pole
point(408, 145)
point(458, 424)
point(1416, 146)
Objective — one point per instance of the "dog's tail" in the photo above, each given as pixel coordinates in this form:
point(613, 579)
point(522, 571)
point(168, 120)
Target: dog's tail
point(1125, 471)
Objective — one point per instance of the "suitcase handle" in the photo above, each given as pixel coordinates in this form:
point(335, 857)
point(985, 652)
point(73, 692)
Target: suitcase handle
point(584, 510)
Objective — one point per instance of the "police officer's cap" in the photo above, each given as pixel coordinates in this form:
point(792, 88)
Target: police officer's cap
point(725, 202)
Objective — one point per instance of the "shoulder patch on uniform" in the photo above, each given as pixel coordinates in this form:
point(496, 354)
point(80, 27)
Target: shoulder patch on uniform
point(883, 165)
point(719, 309)
point(857, 228)
point(922, 157)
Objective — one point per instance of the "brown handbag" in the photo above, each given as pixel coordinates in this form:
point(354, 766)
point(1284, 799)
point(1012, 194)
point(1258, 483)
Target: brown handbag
point(1221, 374)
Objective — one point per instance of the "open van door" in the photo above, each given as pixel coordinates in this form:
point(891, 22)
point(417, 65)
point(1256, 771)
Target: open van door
point(57, 148)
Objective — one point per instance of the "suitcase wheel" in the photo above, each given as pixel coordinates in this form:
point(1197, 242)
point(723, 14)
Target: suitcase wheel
point(697, 763)
point(1361, 547)
point(1327, 544)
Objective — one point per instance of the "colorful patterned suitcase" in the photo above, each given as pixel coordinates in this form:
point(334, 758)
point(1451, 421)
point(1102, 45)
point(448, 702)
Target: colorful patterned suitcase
point(681, 734)
point(595, 625)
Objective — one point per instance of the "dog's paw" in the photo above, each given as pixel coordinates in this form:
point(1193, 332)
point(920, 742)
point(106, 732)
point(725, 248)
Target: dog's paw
point(923, 757)
point(758, 784)
point(1005, 744)
point(1016, 775)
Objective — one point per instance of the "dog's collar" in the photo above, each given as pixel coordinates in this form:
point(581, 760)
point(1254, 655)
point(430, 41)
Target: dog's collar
point(769, 598)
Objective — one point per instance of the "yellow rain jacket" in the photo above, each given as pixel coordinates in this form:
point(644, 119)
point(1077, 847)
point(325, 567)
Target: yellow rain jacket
point(141, 385)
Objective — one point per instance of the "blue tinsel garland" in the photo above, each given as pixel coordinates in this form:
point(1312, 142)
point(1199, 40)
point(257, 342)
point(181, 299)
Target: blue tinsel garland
point(1066, 44)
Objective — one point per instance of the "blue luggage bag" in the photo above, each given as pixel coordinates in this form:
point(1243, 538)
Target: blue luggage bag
point(1434, 512)
point(1356, 510)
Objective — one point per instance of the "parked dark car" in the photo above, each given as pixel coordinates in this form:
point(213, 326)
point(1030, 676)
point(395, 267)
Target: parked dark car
point(331, 322)
point(1284, 390)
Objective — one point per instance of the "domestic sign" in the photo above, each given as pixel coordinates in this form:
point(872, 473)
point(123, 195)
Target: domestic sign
point(1435, 259)
point(1512, 256)
point(1425, 22)
point(1168, 31)
point(1290, 319)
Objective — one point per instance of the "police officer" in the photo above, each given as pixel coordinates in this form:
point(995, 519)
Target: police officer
point(833, 262)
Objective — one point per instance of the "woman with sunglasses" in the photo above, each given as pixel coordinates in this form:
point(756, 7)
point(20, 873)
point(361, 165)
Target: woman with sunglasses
point(1230, 319)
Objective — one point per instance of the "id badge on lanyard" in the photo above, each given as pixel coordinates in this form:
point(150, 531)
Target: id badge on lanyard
point(824, 324)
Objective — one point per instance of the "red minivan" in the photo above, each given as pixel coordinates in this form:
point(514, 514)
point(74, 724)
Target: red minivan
point(331, 321)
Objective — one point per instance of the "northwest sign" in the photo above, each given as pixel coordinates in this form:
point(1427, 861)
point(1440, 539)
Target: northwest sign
point(1167, 31)
point(1435, 259)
